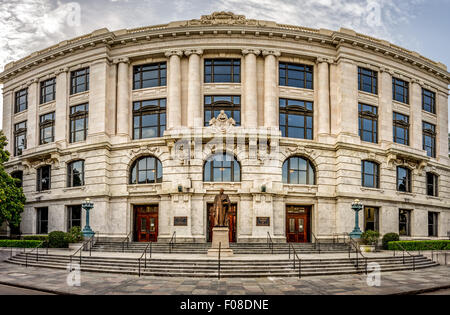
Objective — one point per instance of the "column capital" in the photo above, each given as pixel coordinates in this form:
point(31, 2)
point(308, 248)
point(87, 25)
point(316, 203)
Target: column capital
point(253, 51)
point(62, 70)
point(324, 60)
point(173, 52)
point(32, 81)
point(192, 51)
point(121, 60)
point(267, 52)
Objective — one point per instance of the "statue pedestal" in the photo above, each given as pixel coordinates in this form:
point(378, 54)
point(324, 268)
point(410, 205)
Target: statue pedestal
point(220, 235)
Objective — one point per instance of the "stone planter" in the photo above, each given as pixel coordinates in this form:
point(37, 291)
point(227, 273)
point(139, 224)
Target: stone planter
point(367, 248)
point(75, 246)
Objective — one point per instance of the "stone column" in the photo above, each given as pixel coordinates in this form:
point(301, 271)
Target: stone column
point(415, 119)
point(99, 129)
point(250, 114)
point(8, 126)
point(442, 127)
point(347, 120)
point(174, 89)
point(32, 119)
point(323, 99)
point(195, 117)
point(123, 97)
point(270, 88)
point(385, 115)
point(61, 113)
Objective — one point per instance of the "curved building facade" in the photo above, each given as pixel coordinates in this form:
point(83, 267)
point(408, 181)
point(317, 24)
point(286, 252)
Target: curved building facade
point(294, 123)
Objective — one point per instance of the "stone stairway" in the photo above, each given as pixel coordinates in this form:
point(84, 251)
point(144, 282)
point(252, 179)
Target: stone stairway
point(202, 248)
point(183, 267)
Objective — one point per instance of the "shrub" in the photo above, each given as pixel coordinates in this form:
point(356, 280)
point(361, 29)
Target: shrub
point(74, 235)
point(420, 245)
point(19, 243)
point(389, 237)
point(35, 237)
point(58, 239)
point(370, 237)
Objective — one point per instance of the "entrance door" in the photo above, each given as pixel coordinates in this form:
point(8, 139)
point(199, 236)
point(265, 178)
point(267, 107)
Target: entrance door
point(146, 219)
point(297, 224)
point(232, 214)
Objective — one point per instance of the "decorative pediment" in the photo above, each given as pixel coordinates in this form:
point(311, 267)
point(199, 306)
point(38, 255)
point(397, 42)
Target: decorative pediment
point(36, 162)
point(145, 149)
point(395, 160)
point(222, 123)
point(222, 18)
point(302, 150)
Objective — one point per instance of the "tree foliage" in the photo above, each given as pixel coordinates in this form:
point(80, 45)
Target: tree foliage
point(12, 199)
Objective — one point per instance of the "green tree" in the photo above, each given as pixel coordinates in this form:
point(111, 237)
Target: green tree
point(12, 199)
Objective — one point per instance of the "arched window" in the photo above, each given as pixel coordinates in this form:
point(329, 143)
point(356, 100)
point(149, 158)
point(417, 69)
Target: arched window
point(297, 170)
point(146, 170)
point(222, 167)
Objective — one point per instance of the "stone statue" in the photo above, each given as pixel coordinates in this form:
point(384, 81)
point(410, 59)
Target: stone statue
point(221, 207)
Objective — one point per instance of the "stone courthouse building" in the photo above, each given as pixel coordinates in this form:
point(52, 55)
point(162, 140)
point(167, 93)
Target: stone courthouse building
point(294, 123)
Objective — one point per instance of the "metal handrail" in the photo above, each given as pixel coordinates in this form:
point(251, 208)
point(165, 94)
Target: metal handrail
point(336, 236)
point(316, 241)
point(145, 259)
point(127, 239)
point(89, 241)
point(172, 241)
point(218, 266)
point(294, 256)
point(403, 251)
point(37, 253)
point(269, 242)
point(357, 253)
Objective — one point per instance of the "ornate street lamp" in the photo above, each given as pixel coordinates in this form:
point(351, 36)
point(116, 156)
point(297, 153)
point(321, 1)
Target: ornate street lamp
point(87, 205)
point(356, 206)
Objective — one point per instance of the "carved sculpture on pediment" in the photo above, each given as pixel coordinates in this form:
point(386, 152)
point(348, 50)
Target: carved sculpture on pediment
point(302, 150)
point(222, 18)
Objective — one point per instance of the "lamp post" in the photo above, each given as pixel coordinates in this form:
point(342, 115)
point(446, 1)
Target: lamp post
point(356, 206)
point(87, 231)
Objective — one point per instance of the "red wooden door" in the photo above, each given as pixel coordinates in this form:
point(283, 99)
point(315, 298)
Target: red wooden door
point(147, 223)
point(232, 215)
point(297, 224)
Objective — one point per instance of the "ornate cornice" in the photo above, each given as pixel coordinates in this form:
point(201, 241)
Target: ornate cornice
point(225, 24)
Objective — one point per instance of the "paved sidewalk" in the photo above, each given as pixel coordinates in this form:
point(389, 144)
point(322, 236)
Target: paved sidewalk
point(53, 280)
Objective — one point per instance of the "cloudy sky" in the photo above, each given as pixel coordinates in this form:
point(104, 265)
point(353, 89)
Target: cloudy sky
point(30, 25)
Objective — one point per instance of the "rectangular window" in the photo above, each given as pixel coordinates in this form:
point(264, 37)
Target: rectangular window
point(73, 216)
point(42, 220)
point(368, 123)
point(149, 75)
point(404, 222)
point(370, 173)
point(433, 224)
point(401, 129)
point(21, 101)
point(79, 81)
point(367, 80)
point(20, 138)
point(79, 118)
point(429, 139)
point(222, 70)
point(43, 177)
point(432, 184)
point(48, 90)
point(296, 75)
point(403, 179)
point(47, 128)
point(400, 90)
point(230, 104)
point(371, 219)
point(149, 118)
point(75, 174)
point(429, 101)
point(296, 119)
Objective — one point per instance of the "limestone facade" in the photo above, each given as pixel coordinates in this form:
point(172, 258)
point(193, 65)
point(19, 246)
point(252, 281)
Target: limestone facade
point(336, 150)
